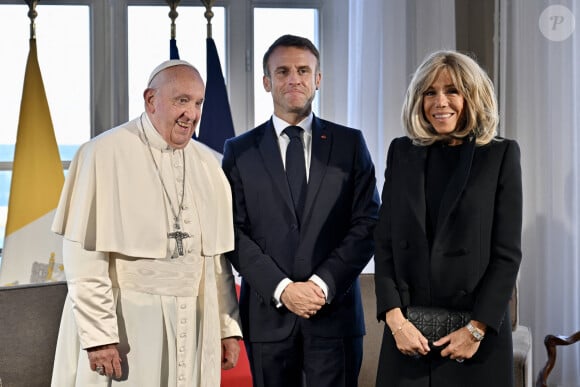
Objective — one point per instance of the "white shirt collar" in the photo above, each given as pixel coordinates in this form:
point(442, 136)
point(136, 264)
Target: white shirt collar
point(280, 124)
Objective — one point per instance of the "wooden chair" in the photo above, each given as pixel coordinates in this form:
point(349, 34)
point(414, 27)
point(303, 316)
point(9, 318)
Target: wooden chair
point(551, 342)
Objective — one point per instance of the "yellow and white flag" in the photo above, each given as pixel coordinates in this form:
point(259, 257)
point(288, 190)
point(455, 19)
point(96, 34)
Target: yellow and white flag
point(32, 253)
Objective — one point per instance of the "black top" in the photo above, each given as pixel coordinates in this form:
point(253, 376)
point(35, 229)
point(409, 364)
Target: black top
point(442, 160)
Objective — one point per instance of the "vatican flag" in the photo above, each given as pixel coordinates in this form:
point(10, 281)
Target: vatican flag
point(32, 253)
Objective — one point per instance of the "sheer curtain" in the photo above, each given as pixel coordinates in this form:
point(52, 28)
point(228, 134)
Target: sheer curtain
point(540, 99)
point(387, 40)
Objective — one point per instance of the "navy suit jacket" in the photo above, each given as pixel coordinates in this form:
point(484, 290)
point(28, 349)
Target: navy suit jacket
point(334, 240)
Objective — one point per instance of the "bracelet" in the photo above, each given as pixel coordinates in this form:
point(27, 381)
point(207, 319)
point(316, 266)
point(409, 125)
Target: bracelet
point(399, 328)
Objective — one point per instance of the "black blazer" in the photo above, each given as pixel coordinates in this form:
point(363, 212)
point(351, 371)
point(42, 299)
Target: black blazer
point(475, 255)
point(335, 238)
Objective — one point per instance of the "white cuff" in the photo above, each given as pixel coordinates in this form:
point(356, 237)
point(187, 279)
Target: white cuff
point(278, 292)
point(321, 284)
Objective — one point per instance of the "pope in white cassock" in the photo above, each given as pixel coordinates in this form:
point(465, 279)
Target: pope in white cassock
point(146, 216)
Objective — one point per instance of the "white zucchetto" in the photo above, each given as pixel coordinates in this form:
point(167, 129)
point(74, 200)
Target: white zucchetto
point(165, 65)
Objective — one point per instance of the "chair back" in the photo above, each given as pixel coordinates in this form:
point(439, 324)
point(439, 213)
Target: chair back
point(551, 342)
point(29, 322)
point(374, 332)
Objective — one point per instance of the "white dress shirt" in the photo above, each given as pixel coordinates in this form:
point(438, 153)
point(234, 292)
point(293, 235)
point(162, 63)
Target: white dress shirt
point(283, 141)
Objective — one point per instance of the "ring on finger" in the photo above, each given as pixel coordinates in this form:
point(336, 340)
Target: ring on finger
point(100, 370)
point(459, 360)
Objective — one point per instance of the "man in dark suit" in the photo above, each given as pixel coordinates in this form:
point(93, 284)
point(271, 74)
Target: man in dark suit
point(305, 206)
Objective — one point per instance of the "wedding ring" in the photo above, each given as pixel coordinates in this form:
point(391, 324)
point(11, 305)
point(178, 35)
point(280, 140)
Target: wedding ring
point(459, 360)
point(100, 370)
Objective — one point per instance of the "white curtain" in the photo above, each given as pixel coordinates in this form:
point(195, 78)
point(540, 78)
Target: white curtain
point(387, 40)
point(540, 99)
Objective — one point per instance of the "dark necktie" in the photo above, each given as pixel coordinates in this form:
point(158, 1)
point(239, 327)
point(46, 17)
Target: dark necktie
point(296, 168)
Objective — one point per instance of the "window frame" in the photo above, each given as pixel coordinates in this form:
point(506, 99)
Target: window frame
point(109, 100)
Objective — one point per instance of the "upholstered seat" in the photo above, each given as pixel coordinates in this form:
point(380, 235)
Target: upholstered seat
point(522, 339)
point(29, 320)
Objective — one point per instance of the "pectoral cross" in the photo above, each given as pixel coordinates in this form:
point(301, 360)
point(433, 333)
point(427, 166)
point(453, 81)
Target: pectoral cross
point(179, 236)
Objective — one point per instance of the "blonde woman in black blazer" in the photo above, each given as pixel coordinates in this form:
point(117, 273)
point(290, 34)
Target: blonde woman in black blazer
point(449, 230)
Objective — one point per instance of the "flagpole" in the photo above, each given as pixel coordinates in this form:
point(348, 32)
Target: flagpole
point(173, 15)
point(208, 14)
point(173, 51)
point(32, 14)
point(216, 124)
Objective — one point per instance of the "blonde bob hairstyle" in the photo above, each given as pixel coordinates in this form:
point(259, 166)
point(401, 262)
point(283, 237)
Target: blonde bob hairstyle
point(479, 117)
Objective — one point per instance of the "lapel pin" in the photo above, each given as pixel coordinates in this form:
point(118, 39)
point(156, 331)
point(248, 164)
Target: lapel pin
point(323, 136)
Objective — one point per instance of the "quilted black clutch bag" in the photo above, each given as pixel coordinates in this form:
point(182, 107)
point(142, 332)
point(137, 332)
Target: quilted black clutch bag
point(434, 323)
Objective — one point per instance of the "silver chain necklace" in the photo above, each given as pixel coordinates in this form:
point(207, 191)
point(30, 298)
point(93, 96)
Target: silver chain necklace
point(177, 234)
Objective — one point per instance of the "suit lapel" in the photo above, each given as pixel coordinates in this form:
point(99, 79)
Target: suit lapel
point(457, 183)
point(320, 152)
point(270, 152)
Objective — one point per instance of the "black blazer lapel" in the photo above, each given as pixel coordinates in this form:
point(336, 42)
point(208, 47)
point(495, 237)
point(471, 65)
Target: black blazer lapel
point(270, 151)
point(457, 183)
point(320, 153)
point(415, 182)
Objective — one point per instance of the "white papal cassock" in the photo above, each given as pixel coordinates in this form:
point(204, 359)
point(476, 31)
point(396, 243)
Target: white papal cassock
point(167, 314)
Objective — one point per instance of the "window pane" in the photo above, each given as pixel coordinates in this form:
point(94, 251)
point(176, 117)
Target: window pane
point(149, 34)
point(14, 35)
point(270, 24)
point(62, 34)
